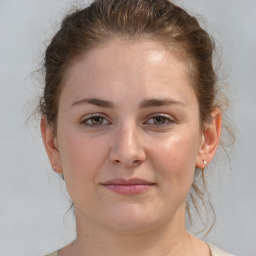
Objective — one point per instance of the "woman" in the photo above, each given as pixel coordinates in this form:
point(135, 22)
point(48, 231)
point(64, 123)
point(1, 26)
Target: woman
point(130, 115)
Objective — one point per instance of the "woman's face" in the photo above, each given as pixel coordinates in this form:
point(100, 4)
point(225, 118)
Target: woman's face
point(128, 135)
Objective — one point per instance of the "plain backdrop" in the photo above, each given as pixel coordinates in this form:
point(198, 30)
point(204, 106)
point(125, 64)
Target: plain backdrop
point(33, 200)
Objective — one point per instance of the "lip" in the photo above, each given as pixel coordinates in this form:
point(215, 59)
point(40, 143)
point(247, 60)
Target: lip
point(128, 187)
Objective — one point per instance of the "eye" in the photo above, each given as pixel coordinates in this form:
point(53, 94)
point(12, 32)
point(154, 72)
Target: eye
point(94, 121)
point(159, 120)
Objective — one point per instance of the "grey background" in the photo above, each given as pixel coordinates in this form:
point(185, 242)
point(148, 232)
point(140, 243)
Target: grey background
point(33, 201)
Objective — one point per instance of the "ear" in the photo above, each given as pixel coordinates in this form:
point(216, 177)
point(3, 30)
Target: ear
point(51, 145)
point(210, 140)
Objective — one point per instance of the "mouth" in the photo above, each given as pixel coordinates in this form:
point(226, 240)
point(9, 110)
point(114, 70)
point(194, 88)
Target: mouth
point(128, 187)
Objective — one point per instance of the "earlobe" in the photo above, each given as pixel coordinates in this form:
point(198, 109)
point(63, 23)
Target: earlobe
point(210, 140)
point(50, 144)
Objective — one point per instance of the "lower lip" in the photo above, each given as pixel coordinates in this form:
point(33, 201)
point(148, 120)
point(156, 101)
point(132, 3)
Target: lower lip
point(132, 189)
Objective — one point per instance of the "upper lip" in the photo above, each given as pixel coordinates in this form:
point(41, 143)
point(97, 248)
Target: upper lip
point(133, 181)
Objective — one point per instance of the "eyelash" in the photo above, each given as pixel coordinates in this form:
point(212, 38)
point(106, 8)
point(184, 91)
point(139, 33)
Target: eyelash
point(90, 118)
point(167, 121)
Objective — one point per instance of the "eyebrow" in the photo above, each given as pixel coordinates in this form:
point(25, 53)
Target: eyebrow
point(159, 102)
point(97, 102)
point(144, 104)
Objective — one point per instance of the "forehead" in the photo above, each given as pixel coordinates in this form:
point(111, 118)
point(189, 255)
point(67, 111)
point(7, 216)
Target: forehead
point(119, 51)
point(144, 66)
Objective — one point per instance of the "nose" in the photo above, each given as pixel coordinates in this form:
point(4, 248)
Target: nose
point(127, 148)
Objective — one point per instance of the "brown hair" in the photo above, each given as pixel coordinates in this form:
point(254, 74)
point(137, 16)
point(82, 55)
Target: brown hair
point(158, 20)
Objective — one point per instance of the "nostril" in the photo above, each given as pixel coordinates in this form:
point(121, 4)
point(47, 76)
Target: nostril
point(138, 161)
point(128, 162)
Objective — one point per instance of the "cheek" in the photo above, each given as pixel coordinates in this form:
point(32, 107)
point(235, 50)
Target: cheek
point(175, 159)
point(81, 159)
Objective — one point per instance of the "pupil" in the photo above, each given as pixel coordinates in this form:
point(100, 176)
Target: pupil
point(159, 119)
point(97, 120)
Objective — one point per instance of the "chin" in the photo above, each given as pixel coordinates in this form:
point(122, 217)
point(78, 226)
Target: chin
point(132, 219)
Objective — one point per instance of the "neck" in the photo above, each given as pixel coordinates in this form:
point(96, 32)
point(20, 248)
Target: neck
point(167, 239)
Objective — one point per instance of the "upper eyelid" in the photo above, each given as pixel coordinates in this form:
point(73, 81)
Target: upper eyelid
point(148, 117)
point(167, 116)
point(85, 117)
point(168, 122)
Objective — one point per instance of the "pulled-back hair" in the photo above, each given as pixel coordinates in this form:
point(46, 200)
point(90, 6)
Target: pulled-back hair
point(157, 20)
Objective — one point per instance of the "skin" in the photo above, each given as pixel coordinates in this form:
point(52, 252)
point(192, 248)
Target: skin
point(161, 143)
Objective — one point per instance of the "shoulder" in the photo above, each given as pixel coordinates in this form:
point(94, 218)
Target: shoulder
point(215, 251)
point(52, 254)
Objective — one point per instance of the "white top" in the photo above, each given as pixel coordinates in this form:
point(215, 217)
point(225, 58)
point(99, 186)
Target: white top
point(214, 252)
